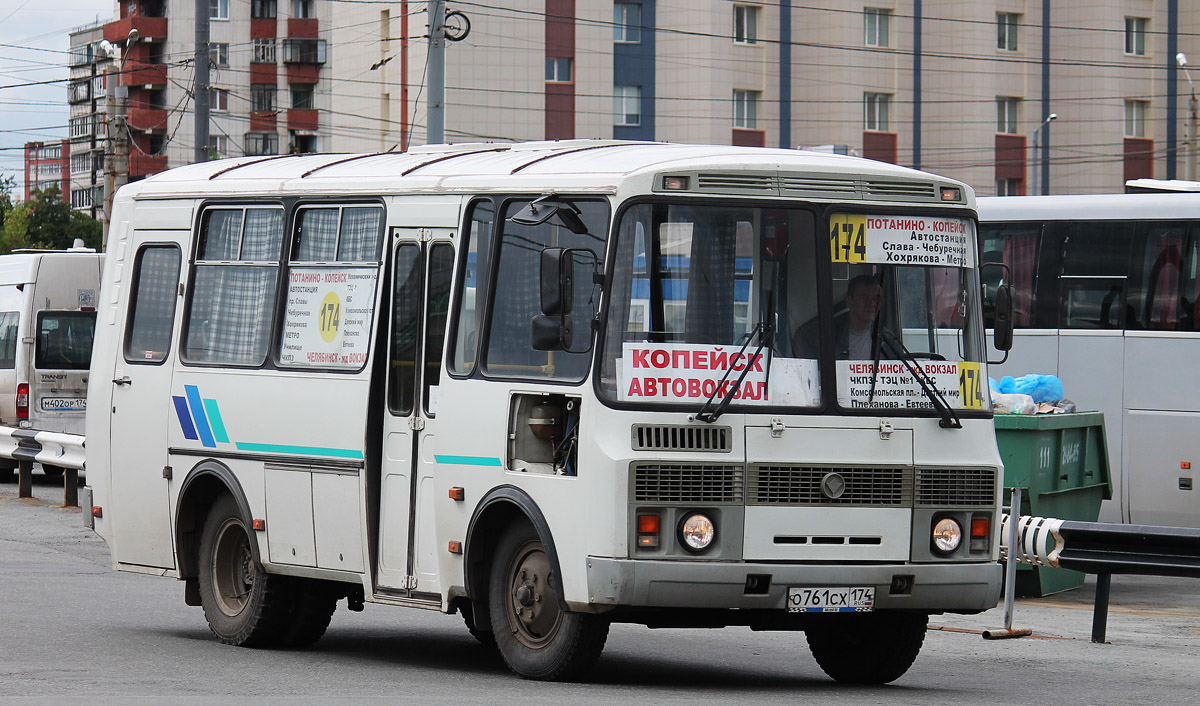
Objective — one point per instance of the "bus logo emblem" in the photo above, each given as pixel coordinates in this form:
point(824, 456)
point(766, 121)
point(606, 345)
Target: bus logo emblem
point(833, 485)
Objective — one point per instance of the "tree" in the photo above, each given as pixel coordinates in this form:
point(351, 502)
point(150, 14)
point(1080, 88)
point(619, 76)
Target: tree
point(47, 222)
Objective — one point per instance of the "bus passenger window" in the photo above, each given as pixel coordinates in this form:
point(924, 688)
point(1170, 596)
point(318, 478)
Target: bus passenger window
point(477, 248)
point(441, 268)
point(152, 315)
point(1163, 289)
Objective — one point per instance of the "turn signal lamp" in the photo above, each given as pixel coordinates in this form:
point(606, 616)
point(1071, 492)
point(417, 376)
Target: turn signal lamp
point(981, 530)
point(951, 193)
point(648, 531)
point(675, 183)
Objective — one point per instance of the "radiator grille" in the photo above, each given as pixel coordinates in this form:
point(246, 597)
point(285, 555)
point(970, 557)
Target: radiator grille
point(667, 437)
point(801, 485)
point(687, 483)
point(952, 486)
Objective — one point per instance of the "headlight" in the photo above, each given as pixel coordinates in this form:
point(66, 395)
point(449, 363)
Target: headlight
point(697, 532)
point(947, 535)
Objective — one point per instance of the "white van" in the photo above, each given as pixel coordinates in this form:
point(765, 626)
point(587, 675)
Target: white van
point(47, 320)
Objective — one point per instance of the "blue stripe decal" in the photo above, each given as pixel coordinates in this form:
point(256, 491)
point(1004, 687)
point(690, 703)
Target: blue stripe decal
point(185, 417)
point(299, 450)
point(214, 418)
point(193, 397)
point(468, 460)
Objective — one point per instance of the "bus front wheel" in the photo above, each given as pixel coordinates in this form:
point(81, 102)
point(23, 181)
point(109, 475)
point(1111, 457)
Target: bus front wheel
point(867, 648)
point(536, 637)
point(243, 604)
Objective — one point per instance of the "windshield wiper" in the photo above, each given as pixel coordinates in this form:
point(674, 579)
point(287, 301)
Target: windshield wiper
point(897, 350)
point(763, 331)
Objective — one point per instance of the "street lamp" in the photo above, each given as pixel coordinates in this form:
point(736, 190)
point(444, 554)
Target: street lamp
point(1181, 60)
point(1037, 156)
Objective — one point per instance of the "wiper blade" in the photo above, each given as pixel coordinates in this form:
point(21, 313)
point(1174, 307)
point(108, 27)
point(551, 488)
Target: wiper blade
point(762, 331)
point(949, 420)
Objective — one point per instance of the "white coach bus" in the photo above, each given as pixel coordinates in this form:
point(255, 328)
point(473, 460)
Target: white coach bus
point(551, 386)
point(1105, 295)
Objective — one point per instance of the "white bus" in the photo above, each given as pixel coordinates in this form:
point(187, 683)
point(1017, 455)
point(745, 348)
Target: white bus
point(1105, 294)
point(550, 386)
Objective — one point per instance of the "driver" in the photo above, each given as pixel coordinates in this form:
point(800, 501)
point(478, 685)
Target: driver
point(854, 333)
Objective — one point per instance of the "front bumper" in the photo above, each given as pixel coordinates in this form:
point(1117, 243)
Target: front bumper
point(963, 588)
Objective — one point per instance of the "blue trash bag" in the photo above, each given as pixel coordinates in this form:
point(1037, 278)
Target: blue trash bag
point(1042, 388)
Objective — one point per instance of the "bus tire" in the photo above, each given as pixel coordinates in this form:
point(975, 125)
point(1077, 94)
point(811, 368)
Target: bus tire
point(312, 606)
point(243, 604)
point(487, 638)
point(867, 648)
point(536, 637)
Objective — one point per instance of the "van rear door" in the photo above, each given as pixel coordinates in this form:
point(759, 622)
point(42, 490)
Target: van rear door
point(61, 357)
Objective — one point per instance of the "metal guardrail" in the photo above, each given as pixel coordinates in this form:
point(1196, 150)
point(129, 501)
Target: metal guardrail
point(48, 448)
point(1104, 549)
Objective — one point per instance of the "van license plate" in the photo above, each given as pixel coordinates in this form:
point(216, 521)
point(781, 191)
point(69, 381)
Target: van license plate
point(64, 404)
point(831, 600)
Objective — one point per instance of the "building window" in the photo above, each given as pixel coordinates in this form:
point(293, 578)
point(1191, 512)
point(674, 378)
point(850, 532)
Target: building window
point(264, 51)
point(302, 97)
point(1135, 118)
point(80, 162)
point(299, 50)
point(80, 127)
point(745, 109)
point(1006, 115)
point(627, 105)
point(220, 54)
point(218, 9)
point(875, 111)
point(627, 23)
point(261, 143)
point(1135, 35)
point(302, 9)
point(745, 24)
point(558, 70)
point(81, 198)
point(1006, 30)
point(1008, 187)
point(218, 146)
point(876, 26)
point(218, 100)
point(262, 9)
point(262, 97)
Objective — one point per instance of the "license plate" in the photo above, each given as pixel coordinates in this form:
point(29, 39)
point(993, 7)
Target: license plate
point(831, 600)
point(64, 404)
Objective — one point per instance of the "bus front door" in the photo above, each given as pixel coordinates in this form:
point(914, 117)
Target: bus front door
point(407, 557)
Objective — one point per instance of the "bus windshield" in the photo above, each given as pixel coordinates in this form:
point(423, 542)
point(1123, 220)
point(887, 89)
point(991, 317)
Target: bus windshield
point(712, 301)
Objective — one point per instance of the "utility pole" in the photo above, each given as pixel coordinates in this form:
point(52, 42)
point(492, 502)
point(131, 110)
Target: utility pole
point(116, 157)
point(1191, 167)
point(435, 110)
point(200, 91)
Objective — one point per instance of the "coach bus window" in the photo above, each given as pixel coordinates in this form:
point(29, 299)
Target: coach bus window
point(1163, 291)
point(477, 248)
point(699, 290)
point(518, 293)
point(1016, 246)
point(233, 297)
point(1094, 266)
point(331, 287)
point(155, 281)
point(8, 339)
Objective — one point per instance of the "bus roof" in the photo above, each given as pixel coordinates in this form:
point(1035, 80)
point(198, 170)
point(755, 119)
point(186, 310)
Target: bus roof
point(1089, 207)
point(588, 165)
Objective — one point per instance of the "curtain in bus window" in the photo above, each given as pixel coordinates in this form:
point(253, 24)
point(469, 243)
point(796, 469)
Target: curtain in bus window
point(264, 234)
point(359, 240)
point(318, 235)
point(231, 314)
point(518, 294)
point(8, 339)
point(154, 295)
point(1163, 288)
point(710, 292)
point(222, 234)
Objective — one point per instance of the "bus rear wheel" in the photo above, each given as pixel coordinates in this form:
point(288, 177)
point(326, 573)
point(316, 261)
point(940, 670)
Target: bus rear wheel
point(243, 604)
point(536, 637)
point(867, 648)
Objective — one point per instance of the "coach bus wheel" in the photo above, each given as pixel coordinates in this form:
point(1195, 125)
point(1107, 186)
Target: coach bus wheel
point(243, 604)
point(537, 639)
point(871, 648)
point(312, 606)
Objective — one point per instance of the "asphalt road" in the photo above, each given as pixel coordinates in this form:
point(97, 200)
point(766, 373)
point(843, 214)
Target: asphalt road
point(73, 631)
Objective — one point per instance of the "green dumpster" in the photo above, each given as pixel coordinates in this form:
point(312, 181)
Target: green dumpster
point(1060, 461)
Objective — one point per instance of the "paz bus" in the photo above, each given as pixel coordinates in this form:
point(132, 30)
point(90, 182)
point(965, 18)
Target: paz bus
point(550, 386)
point(1104, 293)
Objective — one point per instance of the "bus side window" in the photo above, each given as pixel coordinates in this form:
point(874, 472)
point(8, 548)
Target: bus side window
point(1015, 245)
point(1094, 268)
point(152, 308)
point(1163, 288)
point(476, 256)
point(441, 267)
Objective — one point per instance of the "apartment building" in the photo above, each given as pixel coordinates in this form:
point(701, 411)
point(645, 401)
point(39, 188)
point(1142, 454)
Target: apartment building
point(966, 89)
point(86, 99)
point(46, 166)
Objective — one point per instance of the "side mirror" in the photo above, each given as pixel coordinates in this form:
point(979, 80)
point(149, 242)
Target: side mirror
point(552, 333)
point(558, 281)
point(1004, 318)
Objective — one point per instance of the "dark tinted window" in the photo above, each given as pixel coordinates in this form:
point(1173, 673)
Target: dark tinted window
point(8, 339)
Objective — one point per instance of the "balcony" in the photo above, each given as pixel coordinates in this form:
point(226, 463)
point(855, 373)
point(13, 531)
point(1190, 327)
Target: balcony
point(302, 27)
point(147, 119)
point(301, 119)
point(79, 92)
point(303, 51)
point(117, 31)
point(141, 73)
point(263, 120)
point(303, 73)
point(142, 165)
